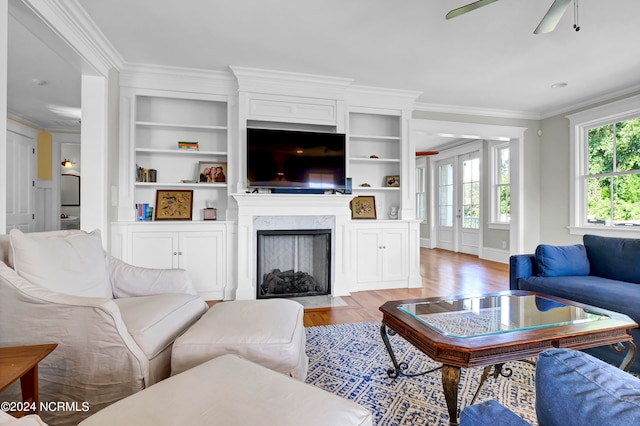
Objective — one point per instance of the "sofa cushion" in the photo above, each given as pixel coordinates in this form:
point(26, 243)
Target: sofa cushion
point(573, 388)
point(559, 261)
point(70, 262)
point(614, 258)
point(490, 413)
point(155, 321)
point(617, 296)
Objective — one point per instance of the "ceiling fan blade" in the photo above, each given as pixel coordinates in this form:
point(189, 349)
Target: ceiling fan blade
point(468, 8)
point(553, 16)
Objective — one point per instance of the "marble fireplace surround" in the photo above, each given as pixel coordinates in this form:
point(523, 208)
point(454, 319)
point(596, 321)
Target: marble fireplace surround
point(291, 211)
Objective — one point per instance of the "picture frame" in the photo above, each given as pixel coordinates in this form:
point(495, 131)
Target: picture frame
point(174, 205)
point(392, 181)
point(212, 172)
point(363, 207)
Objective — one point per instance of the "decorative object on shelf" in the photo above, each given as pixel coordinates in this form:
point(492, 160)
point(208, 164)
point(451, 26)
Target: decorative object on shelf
point(393, 180)
point(146, 175)
point(174, 205)
point(193, 146)
point(373, 156)
point(363, 207)
point(365, 185)
point(212, 172)
point(144, 212)
point(393, 212)
point(209, 213)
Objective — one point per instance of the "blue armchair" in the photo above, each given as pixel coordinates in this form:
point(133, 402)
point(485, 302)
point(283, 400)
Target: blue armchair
point(572, 388)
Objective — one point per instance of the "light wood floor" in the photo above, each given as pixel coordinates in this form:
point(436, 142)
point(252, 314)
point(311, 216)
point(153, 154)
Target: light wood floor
point(443, 273)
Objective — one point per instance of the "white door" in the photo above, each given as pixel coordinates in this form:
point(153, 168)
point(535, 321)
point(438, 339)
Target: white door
point(21, 177)
point(446, 201)
point(468, 209)
point(458, 200)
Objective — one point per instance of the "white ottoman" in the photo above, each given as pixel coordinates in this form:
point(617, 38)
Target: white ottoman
point(267, 332)
point(233, 392)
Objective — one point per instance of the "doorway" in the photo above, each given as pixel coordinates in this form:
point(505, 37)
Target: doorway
point(21, 176)
point(459, 203)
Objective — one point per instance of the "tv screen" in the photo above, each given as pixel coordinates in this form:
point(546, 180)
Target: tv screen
point(295, 159)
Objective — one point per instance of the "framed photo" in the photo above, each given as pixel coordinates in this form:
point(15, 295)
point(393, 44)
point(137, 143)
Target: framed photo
point(393, 180)
point(363, 207)
point(174, 205)
point(212, 172)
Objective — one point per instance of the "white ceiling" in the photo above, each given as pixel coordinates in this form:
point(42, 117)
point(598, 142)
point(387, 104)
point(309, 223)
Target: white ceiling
point(487, 60)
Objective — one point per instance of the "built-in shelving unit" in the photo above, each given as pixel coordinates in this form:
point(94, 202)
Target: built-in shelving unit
point(161, 121)
point(374, 155)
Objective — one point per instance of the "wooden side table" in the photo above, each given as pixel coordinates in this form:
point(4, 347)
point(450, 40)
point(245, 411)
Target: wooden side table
point(21, 362)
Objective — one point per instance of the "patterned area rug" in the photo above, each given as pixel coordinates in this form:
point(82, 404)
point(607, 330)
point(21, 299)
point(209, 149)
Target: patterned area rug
point(350, 360)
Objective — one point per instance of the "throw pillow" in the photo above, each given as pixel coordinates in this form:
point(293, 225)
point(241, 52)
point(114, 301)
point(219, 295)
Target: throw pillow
point(70, 262)
point(562, 261)
point(614, 258)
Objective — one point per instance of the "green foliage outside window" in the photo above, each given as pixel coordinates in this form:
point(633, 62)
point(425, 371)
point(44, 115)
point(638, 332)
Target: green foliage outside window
point(613, 184)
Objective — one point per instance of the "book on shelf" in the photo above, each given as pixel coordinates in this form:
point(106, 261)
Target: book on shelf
point(188, 145)
point(144, 212)
point(146, 175)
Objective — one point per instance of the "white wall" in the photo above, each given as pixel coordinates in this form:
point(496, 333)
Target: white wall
point(4, 53)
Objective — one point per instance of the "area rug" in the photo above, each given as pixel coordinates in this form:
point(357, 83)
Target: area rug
point(350, 360)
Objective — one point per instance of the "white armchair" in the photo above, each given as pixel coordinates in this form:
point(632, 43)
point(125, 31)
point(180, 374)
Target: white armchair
point(114, 323)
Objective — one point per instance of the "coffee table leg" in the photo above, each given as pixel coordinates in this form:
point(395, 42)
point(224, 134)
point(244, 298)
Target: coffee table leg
point(397, 368)
point(629, 357)
point(450, 382)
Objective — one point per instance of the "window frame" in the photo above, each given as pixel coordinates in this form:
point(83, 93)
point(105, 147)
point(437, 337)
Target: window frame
point(579, 125)
point(494, 181)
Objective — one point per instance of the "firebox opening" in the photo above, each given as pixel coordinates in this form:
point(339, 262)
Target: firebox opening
point(293, 263)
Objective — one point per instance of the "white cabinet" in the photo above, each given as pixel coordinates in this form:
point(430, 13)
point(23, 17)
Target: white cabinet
point(200, 249)
point(381, 255)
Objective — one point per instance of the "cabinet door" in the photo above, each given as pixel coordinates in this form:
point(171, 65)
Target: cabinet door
point(154, 249)
point(394, 254)
point(369, 251)
point(202, 254)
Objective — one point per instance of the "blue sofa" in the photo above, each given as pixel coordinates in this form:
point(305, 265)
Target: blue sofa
point(572, 388)
point(602, 272)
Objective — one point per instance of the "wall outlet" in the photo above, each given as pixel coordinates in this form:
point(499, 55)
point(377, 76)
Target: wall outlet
point(504, 244)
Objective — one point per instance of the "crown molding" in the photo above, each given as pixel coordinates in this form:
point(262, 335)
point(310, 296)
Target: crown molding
point(256, 80)
point(485, 112)
point(384, 97)
point(177, 78)
point(609, 97)
point(72, 24)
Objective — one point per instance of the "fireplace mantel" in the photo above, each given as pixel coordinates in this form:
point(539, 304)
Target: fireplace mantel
point(254, 205)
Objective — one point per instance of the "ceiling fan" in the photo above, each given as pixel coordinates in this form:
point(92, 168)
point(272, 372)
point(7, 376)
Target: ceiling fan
point(548, 23)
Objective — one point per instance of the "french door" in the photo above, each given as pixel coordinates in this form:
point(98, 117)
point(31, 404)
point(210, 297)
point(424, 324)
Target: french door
point(458, 201)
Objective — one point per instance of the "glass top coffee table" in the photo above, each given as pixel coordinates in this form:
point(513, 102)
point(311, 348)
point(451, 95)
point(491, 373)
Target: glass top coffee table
point(491, 329)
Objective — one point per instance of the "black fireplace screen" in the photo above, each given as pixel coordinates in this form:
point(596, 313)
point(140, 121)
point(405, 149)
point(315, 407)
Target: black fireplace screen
point(293, 263)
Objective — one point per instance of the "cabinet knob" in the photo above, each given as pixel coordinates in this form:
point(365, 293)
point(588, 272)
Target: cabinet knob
point(175, 253)
point(179, 253)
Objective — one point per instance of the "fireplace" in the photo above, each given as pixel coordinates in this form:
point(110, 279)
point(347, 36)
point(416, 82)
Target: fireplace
point(293, 262)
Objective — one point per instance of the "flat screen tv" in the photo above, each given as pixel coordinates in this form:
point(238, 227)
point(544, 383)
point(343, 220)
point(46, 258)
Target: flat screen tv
point(295, 159)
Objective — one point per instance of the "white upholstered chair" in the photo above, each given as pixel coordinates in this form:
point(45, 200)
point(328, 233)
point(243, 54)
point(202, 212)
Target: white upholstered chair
point(114, 323)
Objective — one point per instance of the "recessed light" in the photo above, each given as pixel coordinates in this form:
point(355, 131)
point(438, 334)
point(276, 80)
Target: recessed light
point(559, 85)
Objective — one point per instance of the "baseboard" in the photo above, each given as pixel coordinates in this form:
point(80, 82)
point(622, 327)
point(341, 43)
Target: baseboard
point(495, 255)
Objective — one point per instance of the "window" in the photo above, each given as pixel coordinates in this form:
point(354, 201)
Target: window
point(613, 174)
point(421, 193)
point(500, 184)
point(606, 167)
point(445, 197)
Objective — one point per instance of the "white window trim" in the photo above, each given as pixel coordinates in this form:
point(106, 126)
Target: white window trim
point(578, 124)
point(494, 147)
point(421, 163)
